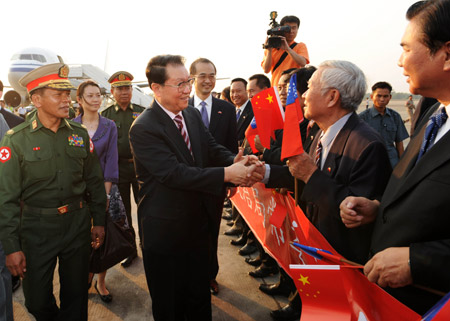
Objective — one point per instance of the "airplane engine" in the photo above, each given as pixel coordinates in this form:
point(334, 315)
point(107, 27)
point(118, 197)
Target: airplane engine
point(13, 98)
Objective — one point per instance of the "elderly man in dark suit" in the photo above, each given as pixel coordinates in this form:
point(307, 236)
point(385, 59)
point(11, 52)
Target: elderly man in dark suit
point(219, 117)
point(179, 166)
point(347, 157)
point(411, 238)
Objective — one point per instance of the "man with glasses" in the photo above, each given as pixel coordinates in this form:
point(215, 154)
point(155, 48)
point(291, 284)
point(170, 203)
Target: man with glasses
point(220, 118)
point(123, 113)
point(181, 170)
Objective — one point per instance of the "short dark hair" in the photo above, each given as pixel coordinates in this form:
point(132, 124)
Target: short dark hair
point(1, 86)
point(382, 85)
point(82, 87)
point(156, 67)
point(290, 19)
point(241, 80)
point(226, 92)
point(303, 75)
point(434, 18)
point(288, 71)
point(262, 81)
point(193, 69)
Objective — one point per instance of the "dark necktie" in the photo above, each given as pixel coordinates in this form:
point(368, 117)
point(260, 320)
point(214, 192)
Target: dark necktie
point(204, 113)
point(238, 114)
point(183, 132)
point(318, 157)
point(436, 121)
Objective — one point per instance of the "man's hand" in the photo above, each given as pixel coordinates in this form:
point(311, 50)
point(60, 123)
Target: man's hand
point(284, 44)
point(302, 167)
point(390, 268)
point(250, 159)
point(357, 211)
point(258, 144)
point(16, 263)
point(97, 236)
point(243, 172)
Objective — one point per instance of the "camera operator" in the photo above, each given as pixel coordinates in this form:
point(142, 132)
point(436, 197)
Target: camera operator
point(289, 55)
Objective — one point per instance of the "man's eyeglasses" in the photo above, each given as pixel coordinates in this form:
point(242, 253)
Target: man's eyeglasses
point(182, 85)
point(205, 76)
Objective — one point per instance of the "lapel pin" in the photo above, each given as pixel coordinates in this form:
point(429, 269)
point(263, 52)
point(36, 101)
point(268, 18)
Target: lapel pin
point(329, 169)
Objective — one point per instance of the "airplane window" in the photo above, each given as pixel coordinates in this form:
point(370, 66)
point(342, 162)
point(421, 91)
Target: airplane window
point(40, 58)
point(26, 57)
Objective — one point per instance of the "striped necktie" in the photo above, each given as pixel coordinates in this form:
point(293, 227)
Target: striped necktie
point(179, 120)
point(437, 120)
point(318, 158)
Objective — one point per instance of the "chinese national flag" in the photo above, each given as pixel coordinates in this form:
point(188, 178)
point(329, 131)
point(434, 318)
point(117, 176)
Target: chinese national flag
point(333, 292)
point(250, 134)
point(440, 312)
point(292, 139)
point(268, 113)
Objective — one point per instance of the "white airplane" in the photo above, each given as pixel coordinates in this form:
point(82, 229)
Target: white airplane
point(28, 59)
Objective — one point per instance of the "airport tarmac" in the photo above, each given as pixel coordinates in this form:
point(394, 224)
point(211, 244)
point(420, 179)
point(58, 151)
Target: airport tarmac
point(239, 298)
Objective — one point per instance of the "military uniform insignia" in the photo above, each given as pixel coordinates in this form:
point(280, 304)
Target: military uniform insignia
point(34, 124)
point(64, 71)
point(36, 148)
point(10, 132)
point(122, 77)
point(76, 141)
point(5, 154)
point(91, 146)
point(136, 115)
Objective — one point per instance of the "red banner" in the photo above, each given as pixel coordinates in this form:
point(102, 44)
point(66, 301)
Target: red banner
point(276, 221)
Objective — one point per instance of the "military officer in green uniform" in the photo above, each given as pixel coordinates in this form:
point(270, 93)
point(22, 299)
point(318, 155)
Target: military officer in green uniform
point(49, 165)
point(123, 113)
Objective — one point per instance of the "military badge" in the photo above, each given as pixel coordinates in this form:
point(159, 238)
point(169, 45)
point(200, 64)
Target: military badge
point(76, 141)
point(64, 71)
point(122, 77)
point(91, 146)
point(34, 124)
point(5, 154)
point(136, 115)
point(36, 148)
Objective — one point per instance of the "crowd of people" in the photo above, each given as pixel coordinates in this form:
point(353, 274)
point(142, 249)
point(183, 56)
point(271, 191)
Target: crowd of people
point(377, 203)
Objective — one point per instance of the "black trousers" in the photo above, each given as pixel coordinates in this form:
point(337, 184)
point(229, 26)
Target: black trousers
point(179, 285)
point(125, 193)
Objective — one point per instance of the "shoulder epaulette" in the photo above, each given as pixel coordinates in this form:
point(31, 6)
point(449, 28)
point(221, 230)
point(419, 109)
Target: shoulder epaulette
point(18, 128)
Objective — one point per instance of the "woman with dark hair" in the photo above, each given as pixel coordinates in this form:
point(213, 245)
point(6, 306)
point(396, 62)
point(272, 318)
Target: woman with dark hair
point(103, 133)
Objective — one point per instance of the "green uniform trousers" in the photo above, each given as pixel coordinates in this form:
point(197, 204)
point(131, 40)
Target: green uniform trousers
point(46, 238)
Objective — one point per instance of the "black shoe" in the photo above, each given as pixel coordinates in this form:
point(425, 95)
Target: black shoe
point(275, 289)
point(127, 262)
point(105, 298)
point(247, 249)
point(263, 271)
point(286, 313)
point(253, 262)
point(15, 283)
point(230, 223)
point(233, 231)
point(242, 240)
point(227, 216)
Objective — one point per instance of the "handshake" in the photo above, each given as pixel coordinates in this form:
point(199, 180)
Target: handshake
point(245, 171)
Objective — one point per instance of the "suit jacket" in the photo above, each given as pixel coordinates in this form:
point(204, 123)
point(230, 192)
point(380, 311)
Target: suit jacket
point(357, 164)
point(11, 119)
point(244, 122)
point(174, 186)
point(415, 212)
point(222, 123)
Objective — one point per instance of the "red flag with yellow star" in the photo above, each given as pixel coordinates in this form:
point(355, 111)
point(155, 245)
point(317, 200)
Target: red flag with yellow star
point(334, 292)
point(269, 114)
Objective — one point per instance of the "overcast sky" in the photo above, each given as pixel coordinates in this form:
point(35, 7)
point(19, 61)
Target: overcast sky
point(124, 35)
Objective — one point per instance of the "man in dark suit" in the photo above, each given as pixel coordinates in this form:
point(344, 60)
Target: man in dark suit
point(11, 119)
point(179, 166)
point(219, 117)
point(244, 111)
point(411, 238)
point(351, 160)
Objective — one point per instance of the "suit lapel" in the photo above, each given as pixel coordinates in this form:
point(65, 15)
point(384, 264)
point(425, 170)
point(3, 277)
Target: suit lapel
point(193, 128)
point(337, 148)
point(244, 116)
point(173, 134)
point(216, 116)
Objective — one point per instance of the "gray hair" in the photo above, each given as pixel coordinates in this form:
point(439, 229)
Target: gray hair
point(346, 78)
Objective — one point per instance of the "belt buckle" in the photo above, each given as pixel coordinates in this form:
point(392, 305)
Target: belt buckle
point(63, 209)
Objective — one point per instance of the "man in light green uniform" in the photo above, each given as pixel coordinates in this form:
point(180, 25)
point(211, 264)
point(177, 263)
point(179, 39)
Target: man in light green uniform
point(123, 113)
point(48, 165)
